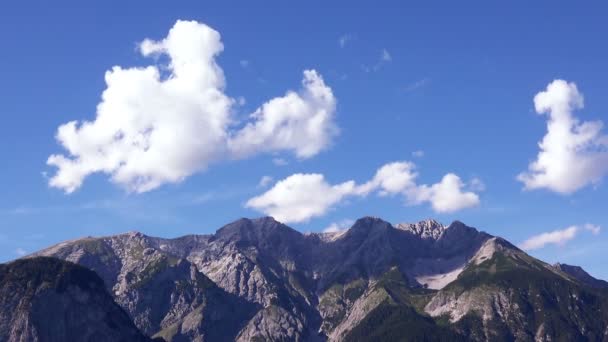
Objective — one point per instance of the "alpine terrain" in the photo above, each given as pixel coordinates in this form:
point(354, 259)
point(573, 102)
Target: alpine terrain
point(260, 280)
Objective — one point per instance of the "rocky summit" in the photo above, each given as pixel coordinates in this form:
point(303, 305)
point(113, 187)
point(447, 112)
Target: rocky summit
point(260, 280)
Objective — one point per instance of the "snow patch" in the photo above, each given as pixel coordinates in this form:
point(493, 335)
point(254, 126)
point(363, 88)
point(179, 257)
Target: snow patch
point(439, 281)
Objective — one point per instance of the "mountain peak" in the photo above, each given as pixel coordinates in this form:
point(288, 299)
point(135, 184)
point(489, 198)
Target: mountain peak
point(426, 229)
point(368, 223)
point(581, 275)
point(257, 229)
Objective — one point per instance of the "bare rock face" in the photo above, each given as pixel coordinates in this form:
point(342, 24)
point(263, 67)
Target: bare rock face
point(261, 280)
point(427, 229)
point(273, 323)
point(45, 299)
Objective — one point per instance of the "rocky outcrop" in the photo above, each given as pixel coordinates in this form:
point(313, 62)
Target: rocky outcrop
point(273, 323)
point(46, 299)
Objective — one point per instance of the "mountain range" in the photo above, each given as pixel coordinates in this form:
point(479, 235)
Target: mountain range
point(260, 280)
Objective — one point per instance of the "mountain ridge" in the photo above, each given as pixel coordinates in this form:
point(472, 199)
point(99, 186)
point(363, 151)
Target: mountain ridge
point(308, 287)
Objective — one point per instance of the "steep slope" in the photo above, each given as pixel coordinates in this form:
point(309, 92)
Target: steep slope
point(161, 292)
point(46, 299)
point(581, 275)
point(261, 280)
point(396, 315)
point(511, 296)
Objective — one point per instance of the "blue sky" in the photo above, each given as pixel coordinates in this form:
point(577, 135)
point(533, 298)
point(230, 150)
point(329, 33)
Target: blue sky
point(455, 82)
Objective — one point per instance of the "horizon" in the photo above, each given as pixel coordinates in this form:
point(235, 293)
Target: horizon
point(172, 120)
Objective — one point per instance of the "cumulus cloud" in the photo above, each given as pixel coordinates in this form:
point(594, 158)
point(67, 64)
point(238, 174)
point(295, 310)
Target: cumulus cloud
point(300, 197)
point(557, 237)
point(390, 179)
point(299, 121)
point(162, 123)
point(573, 153)
point(446, 196)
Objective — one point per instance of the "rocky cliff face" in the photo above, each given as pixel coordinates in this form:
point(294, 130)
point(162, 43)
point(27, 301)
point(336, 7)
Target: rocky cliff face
point(261, 280)
point(46, 299)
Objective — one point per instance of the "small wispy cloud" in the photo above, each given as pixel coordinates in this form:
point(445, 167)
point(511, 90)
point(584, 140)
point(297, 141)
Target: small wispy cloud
point(417, 85)
point(244, 63)
point(477, 185)
point(385, 57)
point(594, 229)
point(20, 251)
point(557, 237)
point(280, 161)
point(418, 154)
point(345, 39)
point(203, 198)
point(265, 181)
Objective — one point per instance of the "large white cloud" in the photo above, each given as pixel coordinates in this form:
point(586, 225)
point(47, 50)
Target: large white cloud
point(557, 237)
point(573, 154)
point(446, 196)
point(162, 123)
point(300, 197)
point(301, 122)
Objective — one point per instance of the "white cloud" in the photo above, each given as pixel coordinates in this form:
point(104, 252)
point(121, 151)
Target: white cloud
point(162, 123)
point(302, 122)
point(300, 197)
point(445, 197)
point(339, 226)
point(418, 154)
point(244, 63)
point(390, 179)
point(557, 237)
point(573, 154)
point(265, 181)
point(20, 252)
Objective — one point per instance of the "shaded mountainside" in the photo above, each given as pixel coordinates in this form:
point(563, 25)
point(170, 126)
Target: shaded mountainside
point(46, 299)
point(262, 280)
point(579, 274)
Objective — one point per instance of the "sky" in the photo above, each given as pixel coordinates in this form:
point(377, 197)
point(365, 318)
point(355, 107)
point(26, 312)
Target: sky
point(174, 119)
